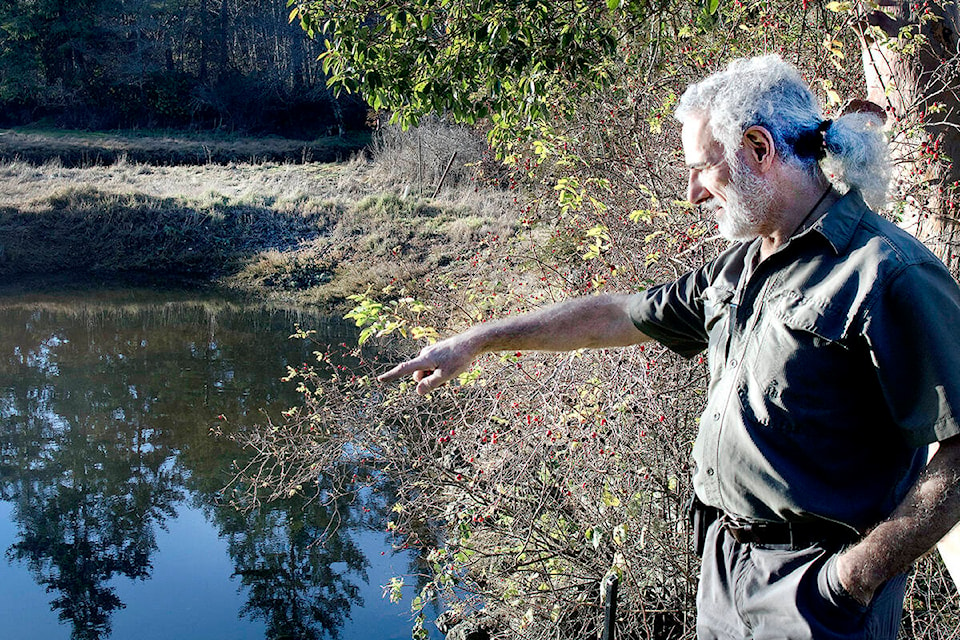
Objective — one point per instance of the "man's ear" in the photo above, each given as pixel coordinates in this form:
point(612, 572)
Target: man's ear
point(759, 146)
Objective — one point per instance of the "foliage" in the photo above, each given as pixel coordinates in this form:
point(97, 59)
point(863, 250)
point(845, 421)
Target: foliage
point(523, 68)
point(512, 61)
point(378, 319)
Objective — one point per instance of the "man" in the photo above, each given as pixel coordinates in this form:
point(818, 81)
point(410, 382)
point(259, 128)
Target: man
point(834, 354)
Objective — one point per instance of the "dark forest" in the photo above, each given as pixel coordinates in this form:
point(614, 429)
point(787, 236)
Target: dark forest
point(231, 65)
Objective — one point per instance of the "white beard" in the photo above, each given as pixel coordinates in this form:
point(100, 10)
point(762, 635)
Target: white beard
point(749, 200)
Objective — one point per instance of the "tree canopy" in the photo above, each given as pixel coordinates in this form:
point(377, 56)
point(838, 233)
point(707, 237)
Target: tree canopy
point(507, 60)
point(521, 64)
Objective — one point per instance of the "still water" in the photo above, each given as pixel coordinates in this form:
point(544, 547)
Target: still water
point(110, 515)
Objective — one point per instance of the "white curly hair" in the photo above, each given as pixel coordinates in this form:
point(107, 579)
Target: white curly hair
point(765, 90)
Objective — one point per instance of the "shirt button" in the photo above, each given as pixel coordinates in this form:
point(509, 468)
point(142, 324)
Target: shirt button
point(716, 416)
point(710, 471)
point(733, 362)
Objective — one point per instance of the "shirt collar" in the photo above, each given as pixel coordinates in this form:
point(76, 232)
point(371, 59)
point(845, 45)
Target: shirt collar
point(840, 221)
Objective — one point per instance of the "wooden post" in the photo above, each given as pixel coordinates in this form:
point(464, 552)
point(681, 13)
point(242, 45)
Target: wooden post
point(444, 175)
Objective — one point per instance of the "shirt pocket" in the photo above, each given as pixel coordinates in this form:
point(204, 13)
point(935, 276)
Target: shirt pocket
point(801, 356)
point(718, 310)
point(812, 315)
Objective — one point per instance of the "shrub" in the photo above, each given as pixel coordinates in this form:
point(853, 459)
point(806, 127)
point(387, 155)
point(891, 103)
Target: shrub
point(419, 158)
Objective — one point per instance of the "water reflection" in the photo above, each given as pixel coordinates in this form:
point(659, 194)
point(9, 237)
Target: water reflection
point(292, 581)
point(106, 402)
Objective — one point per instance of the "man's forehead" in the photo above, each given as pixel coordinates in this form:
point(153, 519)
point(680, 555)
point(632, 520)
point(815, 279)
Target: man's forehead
point(700, 148)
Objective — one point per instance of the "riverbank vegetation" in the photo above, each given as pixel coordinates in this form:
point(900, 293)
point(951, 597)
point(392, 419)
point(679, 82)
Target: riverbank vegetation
point(84, 149)
point(314, 232)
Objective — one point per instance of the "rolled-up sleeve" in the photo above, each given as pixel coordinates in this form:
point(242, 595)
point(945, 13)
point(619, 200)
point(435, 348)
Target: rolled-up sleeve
point(913, 332)
point(673, 314)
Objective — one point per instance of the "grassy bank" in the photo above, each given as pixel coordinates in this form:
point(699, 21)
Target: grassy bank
point(312, 231)
point(87, 148)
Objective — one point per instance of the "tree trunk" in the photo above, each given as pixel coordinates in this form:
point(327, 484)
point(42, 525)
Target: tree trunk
point(204, 35)
point(918, 86)
point(224, 40)
point(296, 58)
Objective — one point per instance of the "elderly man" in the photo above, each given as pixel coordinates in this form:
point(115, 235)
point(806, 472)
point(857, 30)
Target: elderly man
point(834, 353)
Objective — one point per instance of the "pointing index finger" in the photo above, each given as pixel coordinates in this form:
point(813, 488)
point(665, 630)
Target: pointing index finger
point(404, 368)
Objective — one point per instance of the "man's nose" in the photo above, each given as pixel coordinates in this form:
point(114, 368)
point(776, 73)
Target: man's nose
point(696, 192)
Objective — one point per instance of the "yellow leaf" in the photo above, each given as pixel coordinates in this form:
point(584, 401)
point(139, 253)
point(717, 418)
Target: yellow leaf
point(835, 47)
point(839, 7)
point(609, 499)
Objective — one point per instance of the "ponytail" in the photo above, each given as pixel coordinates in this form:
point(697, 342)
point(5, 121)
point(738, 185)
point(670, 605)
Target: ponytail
point(857, 156)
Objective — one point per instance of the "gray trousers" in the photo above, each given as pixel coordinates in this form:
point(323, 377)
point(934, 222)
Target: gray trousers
point(778, 593)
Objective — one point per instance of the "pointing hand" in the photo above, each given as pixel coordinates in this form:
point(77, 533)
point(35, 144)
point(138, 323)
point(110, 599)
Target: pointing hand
point(435, 364)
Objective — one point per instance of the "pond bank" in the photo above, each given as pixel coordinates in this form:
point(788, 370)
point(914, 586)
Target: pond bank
point(313, 233)
point(87, 148)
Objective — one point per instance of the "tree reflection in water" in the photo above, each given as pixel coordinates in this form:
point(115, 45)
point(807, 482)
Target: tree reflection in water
point(300, 587)
point(106, 408)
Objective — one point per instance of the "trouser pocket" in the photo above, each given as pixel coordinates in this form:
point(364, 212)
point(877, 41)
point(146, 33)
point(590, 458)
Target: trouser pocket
point(829, 610)
point(832, 591)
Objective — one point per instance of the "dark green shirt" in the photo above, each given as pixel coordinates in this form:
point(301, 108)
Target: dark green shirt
point(832, 364)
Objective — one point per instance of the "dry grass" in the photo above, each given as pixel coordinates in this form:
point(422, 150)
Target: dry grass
point(22, 185)
point(435, 155)
point(84, 149)
point(317, 232)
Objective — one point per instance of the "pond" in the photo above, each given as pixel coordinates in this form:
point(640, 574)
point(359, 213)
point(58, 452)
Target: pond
point(110, 512)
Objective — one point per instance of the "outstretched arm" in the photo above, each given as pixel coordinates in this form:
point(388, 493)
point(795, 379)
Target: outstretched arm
point(929, 512)
point(591, 322)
